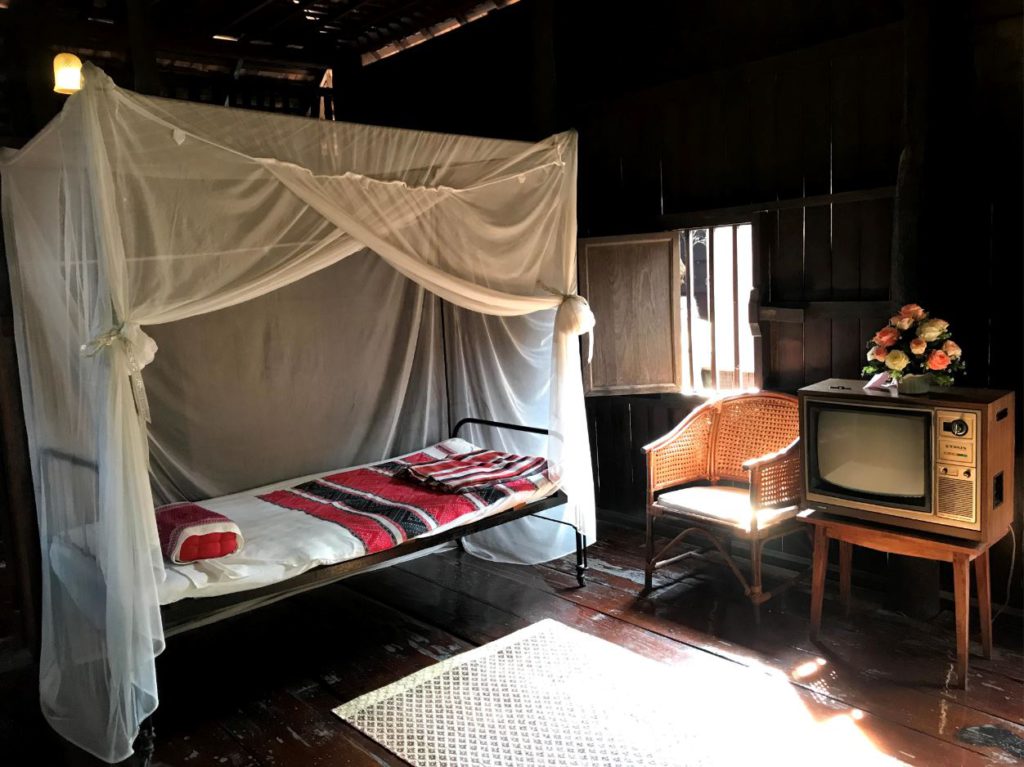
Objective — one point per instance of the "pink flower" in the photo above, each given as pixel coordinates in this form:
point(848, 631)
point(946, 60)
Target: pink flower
point(876, 354)
point(913, 311)
point(903, 323)
point(937, 360)
point(887, 336)
point(918, 346)
point(952, 348)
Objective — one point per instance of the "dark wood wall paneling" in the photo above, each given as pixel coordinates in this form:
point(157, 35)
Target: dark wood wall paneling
point(688, 110)
point(696, 112)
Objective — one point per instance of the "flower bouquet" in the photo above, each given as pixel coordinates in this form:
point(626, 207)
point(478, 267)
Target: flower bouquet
point(914, 344)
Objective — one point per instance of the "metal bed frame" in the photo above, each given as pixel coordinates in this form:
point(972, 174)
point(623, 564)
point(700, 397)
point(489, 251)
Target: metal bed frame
point(192, 613)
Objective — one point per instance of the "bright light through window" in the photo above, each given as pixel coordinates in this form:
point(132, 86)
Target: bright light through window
point(718, 347)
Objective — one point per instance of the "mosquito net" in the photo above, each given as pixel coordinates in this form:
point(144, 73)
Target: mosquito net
point(321, 294)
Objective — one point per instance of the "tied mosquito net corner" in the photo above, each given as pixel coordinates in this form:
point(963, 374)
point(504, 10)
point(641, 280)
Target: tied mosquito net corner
point(208, 299)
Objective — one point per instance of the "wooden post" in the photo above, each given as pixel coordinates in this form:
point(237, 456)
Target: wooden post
point(141, 47)
point(545, 110)
point(908, 208)
point(347, 75)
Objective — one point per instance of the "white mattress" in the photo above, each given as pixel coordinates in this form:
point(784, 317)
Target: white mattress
point(279, 543)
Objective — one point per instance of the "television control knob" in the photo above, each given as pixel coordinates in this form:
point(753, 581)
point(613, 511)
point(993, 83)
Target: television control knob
point(967, 472)
point(958, 427)
point(945, 470)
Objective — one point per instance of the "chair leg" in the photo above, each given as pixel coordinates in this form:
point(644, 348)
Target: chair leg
point(581, 559)
point(755, 576)
point(649, 566)
point(145, 745)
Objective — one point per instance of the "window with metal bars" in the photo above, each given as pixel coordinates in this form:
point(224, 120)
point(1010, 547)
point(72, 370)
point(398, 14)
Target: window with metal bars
point(715, 290)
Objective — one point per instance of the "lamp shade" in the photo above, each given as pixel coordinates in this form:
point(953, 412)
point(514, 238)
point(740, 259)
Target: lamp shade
point(67, 73)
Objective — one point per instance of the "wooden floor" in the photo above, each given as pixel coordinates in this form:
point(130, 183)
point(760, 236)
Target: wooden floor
point(258, 691)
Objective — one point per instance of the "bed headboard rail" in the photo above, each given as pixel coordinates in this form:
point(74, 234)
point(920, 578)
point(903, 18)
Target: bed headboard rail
point(496, 425)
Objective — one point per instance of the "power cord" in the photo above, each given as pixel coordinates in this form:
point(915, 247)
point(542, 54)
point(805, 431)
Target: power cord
point(1009, 577)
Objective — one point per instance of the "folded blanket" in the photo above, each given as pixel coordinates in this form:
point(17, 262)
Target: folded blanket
point(382, 508)
point(480, 468)
point(189, 532)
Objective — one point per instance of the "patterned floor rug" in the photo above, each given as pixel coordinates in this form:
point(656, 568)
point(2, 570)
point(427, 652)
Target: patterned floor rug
point(551, 696)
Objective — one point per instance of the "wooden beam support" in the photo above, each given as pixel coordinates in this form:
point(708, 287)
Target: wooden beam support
point(734, 214)
point(141, 49)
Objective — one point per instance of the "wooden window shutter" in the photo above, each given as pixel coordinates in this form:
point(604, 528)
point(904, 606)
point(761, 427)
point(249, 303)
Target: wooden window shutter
point(632, 284)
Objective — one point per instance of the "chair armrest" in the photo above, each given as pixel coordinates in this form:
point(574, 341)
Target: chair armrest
point(682, 455)
point(775, 478)
point(770, 457)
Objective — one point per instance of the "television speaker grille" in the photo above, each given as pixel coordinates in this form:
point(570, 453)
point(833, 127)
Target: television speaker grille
point(955, 499)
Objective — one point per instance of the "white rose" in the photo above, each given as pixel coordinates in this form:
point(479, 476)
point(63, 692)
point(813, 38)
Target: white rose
point(896, 360)
point(930, 330)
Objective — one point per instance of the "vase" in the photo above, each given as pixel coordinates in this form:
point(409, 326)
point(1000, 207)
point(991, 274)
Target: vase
point(915, 383)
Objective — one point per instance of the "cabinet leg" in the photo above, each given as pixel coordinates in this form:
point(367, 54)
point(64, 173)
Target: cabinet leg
point(981, 577)
point(820, 565)
point(962, 599)
point(845, 565)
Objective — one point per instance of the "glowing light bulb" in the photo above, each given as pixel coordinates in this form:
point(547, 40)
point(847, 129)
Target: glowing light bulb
point(67, 73)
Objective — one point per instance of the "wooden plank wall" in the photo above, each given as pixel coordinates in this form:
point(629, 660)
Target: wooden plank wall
point(685, 109)
point(817, 122)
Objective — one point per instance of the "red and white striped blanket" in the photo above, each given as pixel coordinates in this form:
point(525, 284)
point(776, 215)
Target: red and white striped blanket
point(479, 468)
point(383, 509)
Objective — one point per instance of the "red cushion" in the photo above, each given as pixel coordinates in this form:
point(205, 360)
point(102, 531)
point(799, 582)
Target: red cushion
point(208, 546)
point(189, 532)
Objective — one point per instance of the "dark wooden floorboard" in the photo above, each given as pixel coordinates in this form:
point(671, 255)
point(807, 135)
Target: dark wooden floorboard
point(829, 688)
point(872, 645)
point(281, 670)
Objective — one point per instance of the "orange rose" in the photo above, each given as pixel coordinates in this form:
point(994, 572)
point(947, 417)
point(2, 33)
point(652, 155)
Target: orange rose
point(876, 354)
point(938, 360)
point(903, 323)
point(952, 348)
point(918, 346)
point(887, 336)
point(913, 311)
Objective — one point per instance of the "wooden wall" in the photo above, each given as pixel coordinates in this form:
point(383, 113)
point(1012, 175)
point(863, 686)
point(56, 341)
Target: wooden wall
point(790, 114)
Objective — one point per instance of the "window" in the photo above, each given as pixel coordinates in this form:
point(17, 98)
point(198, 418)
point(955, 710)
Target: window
point(673, 311)
point(717, 281)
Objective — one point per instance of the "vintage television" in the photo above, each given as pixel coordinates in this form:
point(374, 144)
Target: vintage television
point(941, 462)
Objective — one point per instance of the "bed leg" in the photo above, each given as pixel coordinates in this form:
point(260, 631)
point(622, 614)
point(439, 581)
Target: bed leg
point(581, 558)
point(146, 743)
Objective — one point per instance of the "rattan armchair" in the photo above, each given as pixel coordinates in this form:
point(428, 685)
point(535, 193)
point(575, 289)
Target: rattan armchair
point(750, 442)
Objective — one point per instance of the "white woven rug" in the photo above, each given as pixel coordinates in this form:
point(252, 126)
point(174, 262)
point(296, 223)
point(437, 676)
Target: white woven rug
point(551, 696)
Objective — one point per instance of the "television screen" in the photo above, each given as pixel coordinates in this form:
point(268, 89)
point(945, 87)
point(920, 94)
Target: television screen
point(883, 454)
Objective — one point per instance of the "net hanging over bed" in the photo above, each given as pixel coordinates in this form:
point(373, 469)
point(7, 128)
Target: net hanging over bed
point(320, 294)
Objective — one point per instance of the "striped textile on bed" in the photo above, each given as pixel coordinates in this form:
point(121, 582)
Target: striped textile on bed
point(479, 468)
point(383, 509)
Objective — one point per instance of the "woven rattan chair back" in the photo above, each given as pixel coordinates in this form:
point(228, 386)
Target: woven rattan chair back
point(749, 426)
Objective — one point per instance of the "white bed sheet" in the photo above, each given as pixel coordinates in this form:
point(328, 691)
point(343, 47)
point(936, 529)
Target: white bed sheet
point(279, 543)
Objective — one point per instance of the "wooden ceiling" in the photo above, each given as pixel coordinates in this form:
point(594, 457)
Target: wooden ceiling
point(292, 34)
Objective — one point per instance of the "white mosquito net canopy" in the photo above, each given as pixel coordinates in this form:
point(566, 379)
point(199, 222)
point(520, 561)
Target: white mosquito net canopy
point(322, 294)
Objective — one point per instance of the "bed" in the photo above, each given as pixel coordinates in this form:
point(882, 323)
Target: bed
point(288, 551)
point(176, 211)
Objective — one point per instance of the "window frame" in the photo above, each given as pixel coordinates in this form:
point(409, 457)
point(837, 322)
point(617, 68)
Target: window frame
point(752, 307)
